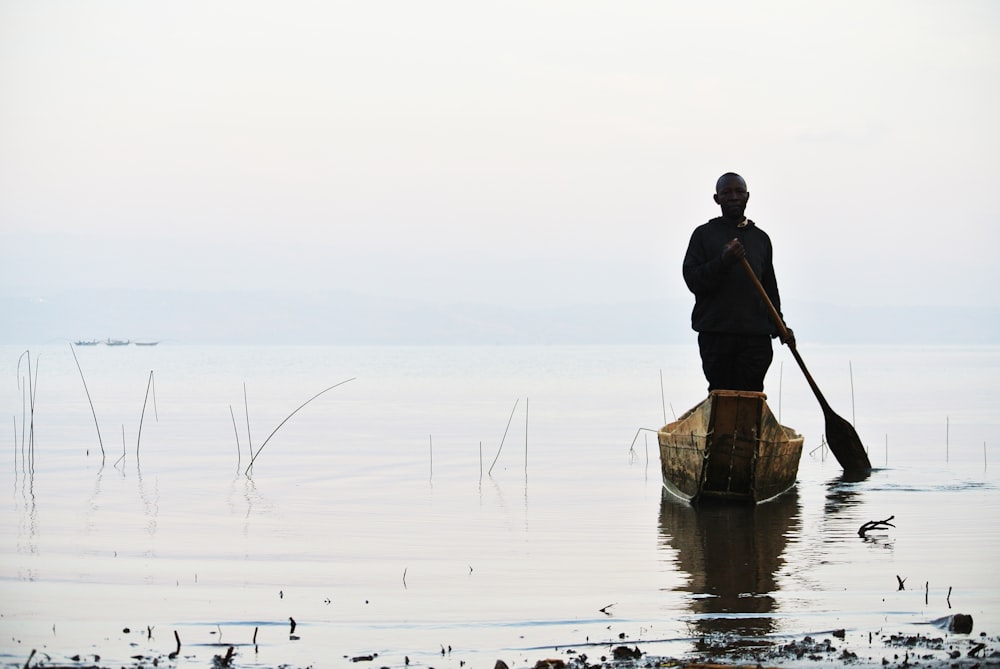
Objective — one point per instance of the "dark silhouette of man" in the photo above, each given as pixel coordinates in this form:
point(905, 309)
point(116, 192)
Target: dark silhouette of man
point(733, 323)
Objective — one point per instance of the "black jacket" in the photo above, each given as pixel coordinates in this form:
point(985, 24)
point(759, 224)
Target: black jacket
point(726, 301)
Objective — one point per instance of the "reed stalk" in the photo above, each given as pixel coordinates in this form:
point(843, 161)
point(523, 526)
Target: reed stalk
point(947, 435)
point(92, 411)
point(261, 447)
point(32, 389)
point(246, 408)
point(490, 472)
point(239, 453)
point(123, 447)
point(631, 447)
point(850, 367)
point(142, 415)
point(27, 403)
point(663, 398)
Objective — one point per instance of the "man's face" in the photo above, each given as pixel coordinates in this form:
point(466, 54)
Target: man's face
point(732, 197)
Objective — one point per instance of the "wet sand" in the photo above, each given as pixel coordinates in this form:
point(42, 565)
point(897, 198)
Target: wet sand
point(836, 649)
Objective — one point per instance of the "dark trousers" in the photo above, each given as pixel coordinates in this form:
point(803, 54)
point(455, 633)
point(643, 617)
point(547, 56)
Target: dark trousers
point(735, 362)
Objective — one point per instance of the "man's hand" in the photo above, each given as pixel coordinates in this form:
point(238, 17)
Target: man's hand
point(733, 252)
point(789, 339)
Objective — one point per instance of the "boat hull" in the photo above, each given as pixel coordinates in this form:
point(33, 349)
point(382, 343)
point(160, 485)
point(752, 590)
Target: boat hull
point(729, 447)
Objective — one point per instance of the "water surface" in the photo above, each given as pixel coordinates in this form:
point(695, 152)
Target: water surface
point(494, 501)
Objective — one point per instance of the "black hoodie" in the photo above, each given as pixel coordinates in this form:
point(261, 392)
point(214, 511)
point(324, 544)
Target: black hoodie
point(726, 301)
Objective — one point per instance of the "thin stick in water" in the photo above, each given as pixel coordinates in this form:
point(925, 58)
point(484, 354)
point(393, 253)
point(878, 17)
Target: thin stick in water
point(430, 441)
point(663, 398)
point(236, 431)
point(123, 447)
point(156, 412)
point(30, 389)
point(850, 368)
point(504, 437)
point(142, 415)
point(89, 400)
point(261, 447)
point(525, 435)
point(246, 408)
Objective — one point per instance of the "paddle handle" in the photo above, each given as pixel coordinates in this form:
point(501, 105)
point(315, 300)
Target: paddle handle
point(784, 333)
point(767, 300)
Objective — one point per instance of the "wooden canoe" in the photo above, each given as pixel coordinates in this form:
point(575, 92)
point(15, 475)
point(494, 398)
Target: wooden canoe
point(729, 447)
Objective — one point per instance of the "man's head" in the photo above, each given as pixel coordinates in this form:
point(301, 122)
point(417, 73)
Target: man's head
point(731, 195)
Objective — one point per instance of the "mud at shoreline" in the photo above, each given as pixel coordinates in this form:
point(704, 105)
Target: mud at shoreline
point(835, 649)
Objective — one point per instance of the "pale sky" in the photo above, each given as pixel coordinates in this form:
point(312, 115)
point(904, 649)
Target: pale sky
point(516, 153)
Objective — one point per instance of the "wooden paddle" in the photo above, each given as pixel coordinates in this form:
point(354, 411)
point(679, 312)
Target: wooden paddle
point(840, 435)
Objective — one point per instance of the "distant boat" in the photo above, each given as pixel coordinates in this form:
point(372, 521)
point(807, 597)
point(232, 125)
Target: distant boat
point(729, 447)
point(117, 342)
point(86, 342)
point(146, 343)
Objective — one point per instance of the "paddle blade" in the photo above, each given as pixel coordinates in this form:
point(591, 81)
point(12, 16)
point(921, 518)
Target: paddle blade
point(845, 444)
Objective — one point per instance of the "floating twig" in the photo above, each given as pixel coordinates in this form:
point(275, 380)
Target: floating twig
point(261, 447)
point(901, 582)
point(875, 525)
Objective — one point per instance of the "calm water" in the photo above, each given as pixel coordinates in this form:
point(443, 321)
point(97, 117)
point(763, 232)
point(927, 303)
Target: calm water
point(500, 502)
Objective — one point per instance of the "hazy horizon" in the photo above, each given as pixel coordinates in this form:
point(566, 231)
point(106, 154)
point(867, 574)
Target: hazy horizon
point(517, 154)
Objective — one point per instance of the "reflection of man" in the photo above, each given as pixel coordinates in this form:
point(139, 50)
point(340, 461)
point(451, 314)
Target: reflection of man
point(731, 555)
point(734, 325)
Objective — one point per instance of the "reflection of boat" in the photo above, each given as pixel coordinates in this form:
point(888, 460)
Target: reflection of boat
point(729, 447)
point(146, 343)
point(117, 342)
point(86, 342)
point(731, 554)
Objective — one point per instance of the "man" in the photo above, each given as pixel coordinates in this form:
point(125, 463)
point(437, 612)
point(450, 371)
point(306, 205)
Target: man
point(734, 325)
